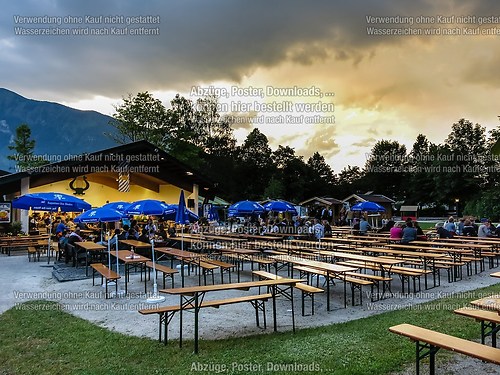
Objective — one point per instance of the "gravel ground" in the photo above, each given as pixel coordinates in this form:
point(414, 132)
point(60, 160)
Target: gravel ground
point(23, 281)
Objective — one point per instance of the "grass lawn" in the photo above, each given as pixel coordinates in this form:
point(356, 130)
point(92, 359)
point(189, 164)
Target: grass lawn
point(36, 337)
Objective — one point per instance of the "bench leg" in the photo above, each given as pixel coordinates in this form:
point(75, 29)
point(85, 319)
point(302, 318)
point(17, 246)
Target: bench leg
point(423, 350)
point(303, 298)
point(493, 330)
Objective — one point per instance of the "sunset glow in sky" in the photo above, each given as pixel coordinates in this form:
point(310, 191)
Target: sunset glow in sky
point(373, 86)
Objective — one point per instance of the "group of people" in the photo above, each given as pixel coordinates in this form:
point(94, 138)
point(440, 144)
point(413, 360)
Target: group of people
point(406, 232)
point(66, 231)
point(410, 230)
point(467, 227)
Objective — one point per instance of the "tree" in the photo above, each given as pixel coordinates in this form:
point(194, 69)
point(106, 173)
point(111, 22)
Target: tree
point(321, 176)
point(215, 132)
point(140, 117)
point(254, 165)
point(421, 167)
point(386, 169)
point(291, 172)
point(463, 161)
point(24, 148)
point(348, 178)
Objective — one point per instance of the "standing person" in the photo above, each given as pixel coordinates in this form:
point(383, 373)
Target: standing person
point(328, 228)
point(150, 227)
point(460, 226)
point(60, 228)
point(484, 230)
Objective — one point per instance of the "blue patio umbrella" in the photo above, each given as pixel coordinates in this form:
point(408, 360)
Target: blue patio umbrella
point(280, 206)
point(171, 214)
point(118, 206)
point(244, 208)
point(368, 207)
point(50, 202)
point(99, 215)
point(156, 208)
point(146, 207)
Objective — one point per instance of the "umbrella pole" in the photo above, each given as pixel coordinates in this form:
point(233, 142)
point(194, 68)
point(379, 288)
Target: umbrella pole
point(109, 250)
point(50, 240)
point(119, 293)
point(109, 263)
point(155, 298)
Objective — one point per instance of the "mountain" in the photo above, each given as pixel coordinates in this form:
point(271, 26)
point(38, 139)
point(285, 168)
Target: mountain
point(57, 130)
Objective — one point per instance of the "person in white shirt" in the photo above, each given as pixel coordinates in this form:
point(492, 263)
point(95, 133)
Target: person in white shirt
point(318, 230)
point(484, 230)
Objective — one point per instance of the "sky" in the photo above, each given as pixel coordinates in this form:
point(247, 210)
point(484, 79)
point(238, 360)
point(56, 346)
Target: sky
point(327, 76)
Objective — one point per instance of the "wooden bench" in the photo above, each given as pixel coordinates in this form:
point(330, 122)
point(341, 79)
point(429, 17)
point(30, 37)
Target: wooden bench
point(488, 319)
point(355, 283)
point(376, 279)
point(428, 342)
point(305, 289)
point(264, 263)
point(34, 253)
point(224, 267)
point(106, 274)
point(166, 271)
point(205, 268)
point(166, 313)
point(404, 273)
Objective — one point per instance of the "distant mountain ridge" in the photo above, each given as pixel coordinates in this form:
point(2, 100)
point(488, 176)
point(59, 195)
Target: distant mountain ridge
point(56, 129)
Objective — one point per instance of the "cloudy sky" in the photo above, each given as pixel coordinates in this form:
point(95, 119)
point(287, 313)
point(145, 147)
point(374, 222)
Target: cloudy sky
point(373, 86)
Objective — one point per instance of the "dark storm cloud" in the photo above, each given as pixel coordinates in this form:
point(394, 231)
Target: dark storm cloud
point(199, 41)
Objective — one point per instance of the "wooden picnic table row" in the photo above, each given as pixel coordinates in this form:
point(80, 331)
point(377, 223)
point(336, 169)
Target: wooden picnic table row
point(485, 310)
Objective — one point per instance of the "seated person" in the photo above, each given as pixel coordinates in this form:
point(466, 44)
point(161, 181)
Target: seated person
point(355, 224)
point(450, 225)
point(63, 240)
point(442, 232)
point(72, 238)
point(420, 233)
point(387, 226)
point(75, 236)
point(396, 231)
point(484, 229)
point(364, 227)
point(171, 231)
point(144, 237)
point(132, 234)
point(469, 229)
point(115, 238)
point(409, 233)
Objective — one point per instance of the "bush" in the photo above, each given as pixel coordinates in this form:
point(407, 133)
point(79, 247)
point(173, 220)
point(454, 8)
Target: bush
point(15, 228)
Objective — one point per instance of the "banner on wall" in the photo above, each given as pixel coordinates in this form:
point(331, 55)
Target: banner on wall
point(5, 212)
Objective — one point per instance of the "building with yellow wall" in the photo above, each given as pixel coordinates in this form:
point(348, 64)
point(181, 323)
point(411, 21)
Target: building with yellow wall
point(129, 172)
